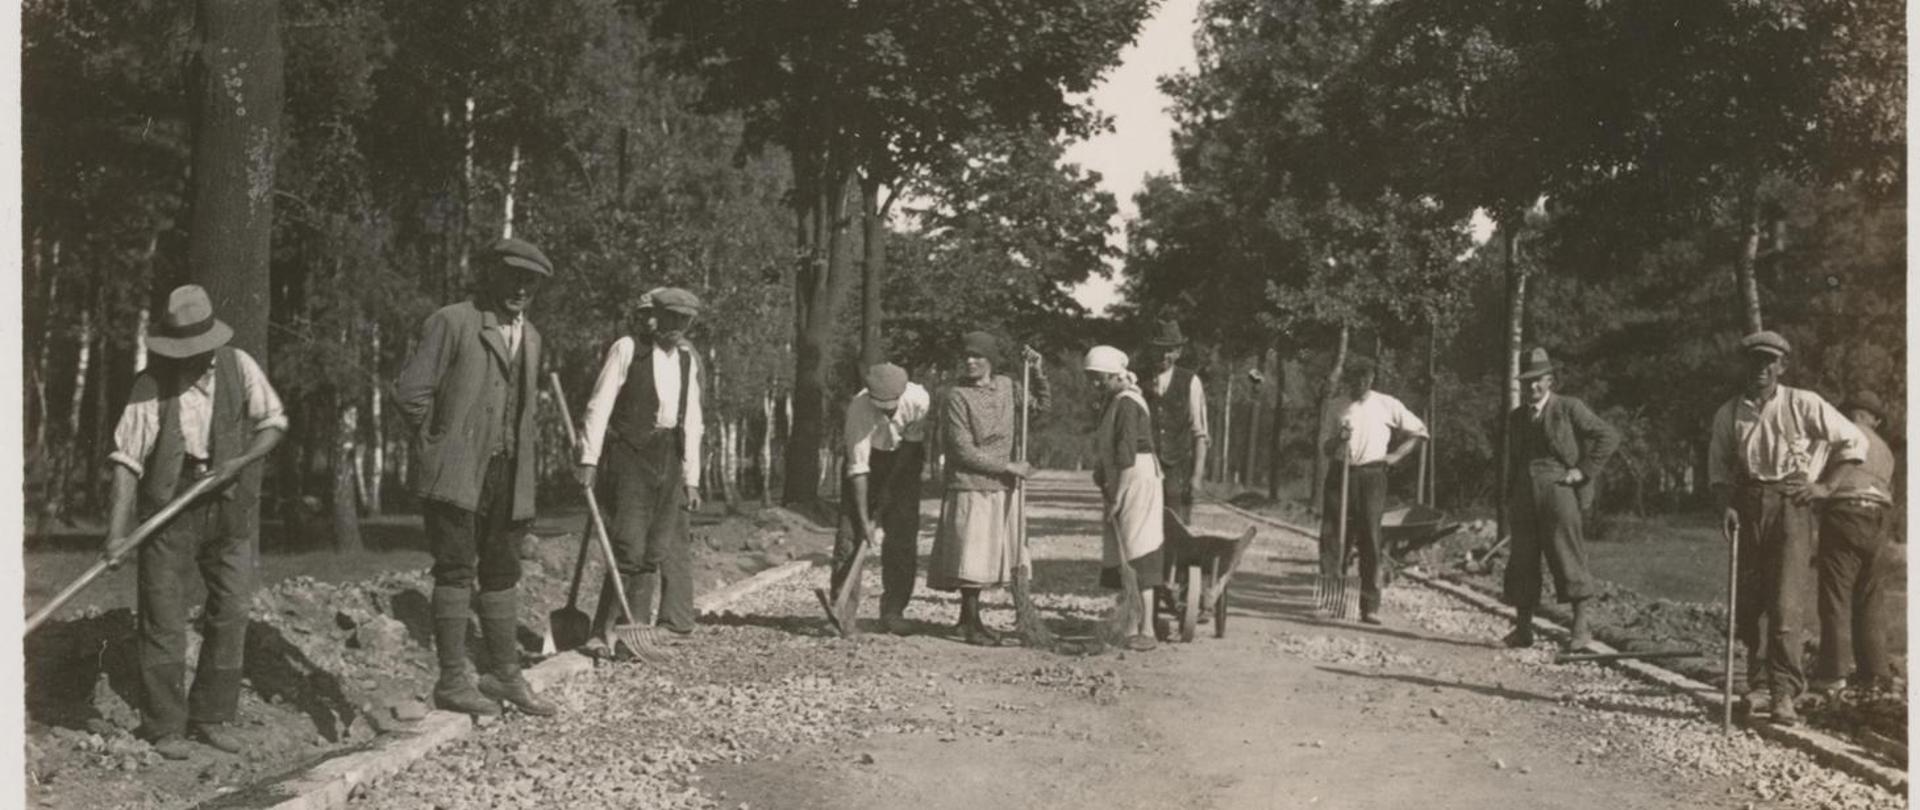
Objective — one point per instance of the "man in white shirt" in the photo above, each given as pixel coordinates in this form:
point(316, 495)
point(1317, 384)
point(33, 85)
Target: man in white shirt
point(645, 419)
point(885, 435)
point(1357, 430)
point(1177, 405)
point(204, 410)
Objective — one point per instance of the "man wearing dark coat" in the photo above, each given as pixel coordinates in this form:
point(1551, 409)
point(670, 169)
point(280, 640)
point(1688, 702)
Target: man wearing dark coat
point(1556, 446)
point(1177, 405)
point(469, 393)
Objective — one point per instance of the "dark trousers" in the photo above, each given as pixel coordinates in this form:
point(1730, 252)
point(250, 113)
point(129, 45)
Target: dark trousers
point(1176, 488)
point(644, 487)
point(893, 501)
point(1546, 523)
point(228, 561)
point(1775, 582)
point(1366, 501)
point(1852, 568)
point(477, 545)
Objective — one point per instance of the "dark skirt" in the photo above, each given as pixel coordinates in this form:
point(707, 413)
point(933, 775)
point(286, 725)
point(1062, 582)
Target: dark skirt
point(1149, 568)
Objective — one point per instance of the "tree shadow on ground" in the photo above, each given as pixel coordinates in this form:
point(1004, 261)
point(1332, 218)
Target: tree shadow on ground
point(1504, 693)
point(1290, 597)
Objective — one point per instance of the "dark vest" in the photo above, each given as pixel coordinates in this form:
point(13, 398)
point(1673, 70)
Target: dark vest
point(229, 435)
point(1172, 422)
point(636, 409)
point(506, 439)
point(1534, 444)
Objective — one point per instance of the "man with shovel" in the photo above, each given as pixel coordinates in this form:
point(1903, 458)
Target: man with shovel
point(469, 393)
point(1767, 443)
point(1557, 445)
point(202, 410)
point(1357, 433)
point(885, 435)
point(644, 421)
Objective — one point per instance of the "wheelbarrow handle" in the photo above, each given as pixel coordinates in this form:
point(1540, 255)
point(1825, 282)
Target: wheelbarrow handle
point(114, 555)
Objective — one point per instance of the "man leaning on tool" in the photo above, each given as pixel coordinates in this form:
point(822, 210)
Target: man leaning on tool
point(1177, 404)
point(1555, 446)
point(644, 422)
point(203, 409)
point(469, 392)
point(1766, 445)
point(885, 435)
point(1853, 563)
point(1359, 426)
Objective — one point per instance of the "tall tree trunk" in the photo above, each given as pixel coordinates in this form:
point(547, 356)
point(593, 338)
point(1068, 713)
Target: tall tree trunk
point(376, 471)
point(513, 183)
point(462, 243)
point(1277, 444)
point(95, 484)
point(1223, 467)
point(346, 515)
point(1516, 328)
point(1328, 391)
point(236, 136)
point(1249, 464)
point(873, 271)
point(819, 284)
point(766, 447)
point(1745, 268)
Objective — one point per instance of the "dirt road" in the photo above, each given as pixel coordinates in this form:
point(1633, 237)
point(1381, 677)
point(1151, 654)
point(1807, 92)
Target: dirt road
point(764, 710)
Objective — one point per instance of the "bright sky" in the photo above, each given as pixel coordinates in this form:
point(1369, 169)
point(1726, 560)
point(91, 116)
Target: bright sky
point(1142, 140)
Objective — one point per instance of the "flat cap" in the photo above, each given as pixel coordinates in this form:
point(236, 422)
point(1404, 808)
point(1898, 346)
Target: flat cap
point(1866, 401)
point(980, 344)
point(521, 254)
point(885, 382)
point(671, 298)
point(1358, 367)
point(1767, 341)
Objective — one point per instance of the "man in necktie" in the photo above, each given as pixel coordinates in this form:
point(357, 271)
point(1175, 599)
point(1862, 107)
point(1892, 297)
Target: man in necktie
point(469, 392)
point(1556, 446)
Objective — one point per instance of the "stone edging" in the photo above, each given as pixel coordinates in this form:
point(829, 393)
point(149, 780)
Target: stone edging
point(1829, 750)
point(330, 784)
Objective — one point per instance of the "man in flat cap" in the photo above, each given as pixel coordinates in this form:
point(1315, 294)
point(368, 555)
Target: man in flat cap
point(1556, 445)
point(885, 435)
point(1766, 445)
point(1177, 403)
point(644, 423)
point(1856, 522)
point(1358, 430)
point(469, 392)
point(203, 409)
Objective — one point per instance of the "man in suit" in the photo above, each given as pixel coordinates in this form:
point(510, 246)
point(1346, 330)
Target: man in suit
point(469, 393)
point(1556, 446)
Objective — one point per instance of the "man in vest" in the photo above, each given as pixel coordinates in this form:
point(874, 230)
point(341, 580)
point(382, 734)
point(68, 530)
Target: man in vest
point(1853, 563)
point(644, 421)
point(1767, 444)
point(202, 410)
point(469, 392)
point(885, 435)
point(1177, 403)
point(1556, 446)
point(1358, 430)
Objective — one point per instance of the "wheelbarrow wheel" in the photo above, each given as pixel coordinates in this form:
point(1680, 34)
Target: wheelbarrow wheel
point(1190, 604)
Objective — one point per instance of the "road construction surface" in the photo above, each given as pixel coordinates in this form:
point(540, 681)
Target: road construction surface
point(765, 708)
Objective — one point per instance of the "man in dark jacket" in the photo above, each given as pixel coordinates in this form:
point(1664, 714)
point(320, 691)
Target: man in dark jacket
point(1177, 404)
point(1556, 445)
point(469, 393)
point(204, 410)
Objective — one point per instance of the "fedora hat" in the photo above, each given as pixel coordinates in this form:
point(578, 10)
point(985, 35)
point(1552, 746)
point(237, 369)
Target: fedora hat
point(1537, 364)
point(1167, 335)
point(188, 327)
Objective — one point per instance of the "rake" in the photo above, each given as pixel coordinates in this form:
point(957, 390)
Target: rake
point(640, 639)
point(1026, 615)
point(1332, 594)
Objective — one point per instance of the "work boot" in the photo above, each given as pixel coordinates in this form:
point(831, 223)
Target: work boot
point(454, 691)
point(218, 735)
point(499, 623)
point(896, 624)
point(1784, 713)
point(173, 747)
point(1581, 640)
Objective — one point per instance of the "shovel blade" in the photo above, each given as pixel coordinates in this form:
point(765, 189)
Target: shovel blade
point(568, 628)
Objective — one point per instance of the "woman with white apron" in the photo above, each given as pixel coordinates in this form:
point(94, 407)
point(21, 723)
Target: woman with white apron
point(1128, 473)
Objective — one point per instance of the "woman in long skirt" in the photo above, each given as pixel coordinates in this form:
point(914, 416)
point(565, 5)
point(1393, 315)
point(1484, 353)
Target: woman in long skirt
point(973, 548)
point(1128, 473)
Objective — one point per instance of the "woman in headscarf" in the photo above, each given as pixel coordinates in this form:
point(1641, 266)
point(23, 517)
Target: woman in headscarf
point(1128, 474)
point(973, 548)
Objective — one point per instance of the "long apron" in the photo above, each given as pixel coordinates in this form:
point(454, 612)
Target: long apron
point(1134, 526)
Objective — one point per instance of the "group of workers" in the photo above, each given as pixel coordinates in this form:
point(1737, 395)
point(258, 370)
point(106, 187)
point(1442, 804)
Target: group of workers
point(1806, 490)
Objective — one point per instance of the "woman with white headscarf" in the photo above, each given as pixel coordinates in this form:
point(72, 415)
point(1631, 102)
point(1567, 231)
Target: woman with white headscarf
point(1129, 475)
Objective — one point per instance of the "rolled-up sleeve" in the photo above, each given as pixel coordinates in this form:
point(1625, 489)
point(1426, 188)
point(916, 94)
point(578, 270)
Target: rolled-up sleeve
point(1197, 405)
point(138, 428)
point(263, 403)
point(857, 432)
point(1844, 439)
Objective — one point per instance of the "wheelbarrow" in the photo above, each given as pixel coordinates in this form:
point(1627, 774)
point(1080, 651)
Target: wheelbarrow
point(1200, 567)
point(1408, 528)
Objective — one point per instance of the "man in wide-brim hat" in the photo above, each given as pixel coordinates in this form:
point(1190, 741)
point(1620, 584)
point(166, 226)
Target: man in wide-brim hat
point(1556, 447)
point(469, 391)
point(643, 424)
point(1765, 448)
point(203, 409)
point(1177, 403)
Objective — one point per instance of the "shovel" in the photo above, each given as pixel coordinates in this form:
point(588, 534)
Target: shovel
point(639, 638)
point(569, 627)
point(843, 610)
point(113, 556)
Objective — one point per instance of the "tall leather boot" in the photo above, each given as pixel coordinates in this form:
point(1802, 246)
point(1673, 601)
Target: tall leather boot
point(1522, 635)
point(1582, 637)
point(455, 691)
point(499, 623)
